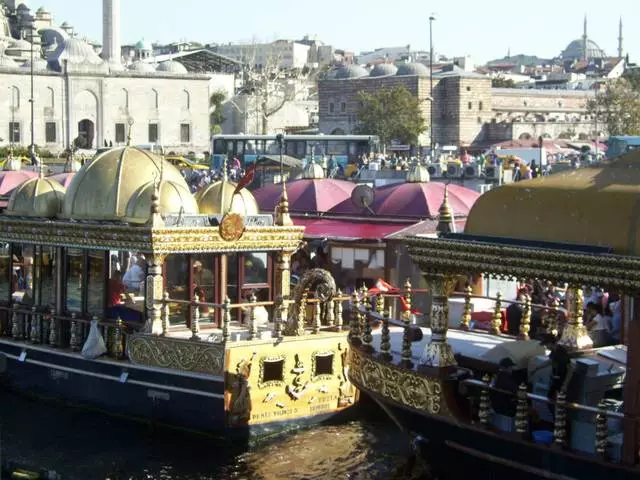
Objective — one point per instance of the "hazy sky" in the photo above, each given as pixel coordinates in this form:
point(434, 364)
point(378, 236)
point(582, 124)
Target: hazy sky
point(483, 29)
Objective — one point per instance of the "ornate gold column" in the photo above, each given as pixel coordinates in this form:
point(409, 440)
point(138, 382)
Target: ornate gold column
point(154, 294)
point(282, 287)
point(574, 335)
point(438, 353)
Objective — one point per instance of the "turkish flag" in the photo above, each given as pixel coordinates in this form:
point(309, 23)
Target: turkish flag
point(249, 175)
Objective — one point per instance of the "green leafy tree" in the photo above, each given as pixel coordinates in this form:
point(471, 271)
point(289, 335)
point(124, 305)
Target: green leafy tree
point(617, 107)
point(633, 77)
point(391, 114)
point(216, 119)
point(501, 82)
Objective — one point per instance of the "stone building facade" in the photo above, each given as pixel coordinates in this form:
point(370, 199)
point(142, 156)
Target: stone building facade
point(166, 110)
point(467, 110)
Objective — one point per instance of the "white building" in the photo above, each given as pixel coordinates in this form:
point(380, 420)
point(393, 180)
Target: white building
point(91, 101)
point(284, 54)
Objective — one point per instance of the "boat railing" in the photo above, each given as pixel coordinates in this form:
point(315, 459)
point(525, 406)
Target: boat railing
point(325, 314)
point(41, 326)
point(523, 421)
point(553, 315)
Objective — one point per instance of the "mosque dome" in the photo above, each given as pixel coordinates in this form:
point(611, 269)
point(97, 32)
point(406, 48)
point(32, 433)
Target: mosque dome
point(313, 171)
point(210, 200)
point(351, 71)
point(144, 45)
point(142, 67)
point(80, 56)
point(412, 69)
point(39, 65)
point(383, 70)
point(575, 50)
point(171, 66)
point(418, 174)
point(7, 62)
point(37, 197)
point(115, 184)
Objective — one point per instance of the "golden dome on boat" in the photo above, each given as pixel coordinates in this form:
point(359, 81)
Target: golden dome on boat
point(106, 185)
point(210, 200)
point(37, 197)
point(173, 197)
point(418, 174)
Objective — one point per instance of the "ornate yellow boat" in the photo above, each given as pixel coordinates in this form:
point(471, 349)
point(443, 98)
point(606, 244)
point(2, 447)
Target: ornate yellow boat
point(128, 293)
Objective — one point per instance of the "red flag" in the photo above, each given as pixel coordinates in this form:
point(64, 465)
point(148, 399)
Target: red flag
point(247, 179)
point(383, 287)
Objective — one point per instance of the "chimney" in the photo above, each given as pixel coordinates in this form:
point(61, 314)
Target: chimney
point(111, 31)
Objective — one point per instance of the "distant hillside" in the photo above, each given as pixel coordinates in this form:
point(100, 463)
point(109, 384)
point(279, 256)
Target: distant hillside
point(521, 60)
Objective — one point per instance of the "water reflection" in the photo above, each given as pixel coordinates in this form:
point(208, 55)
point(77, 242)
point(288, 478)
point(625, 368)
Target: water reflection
point(84, 445)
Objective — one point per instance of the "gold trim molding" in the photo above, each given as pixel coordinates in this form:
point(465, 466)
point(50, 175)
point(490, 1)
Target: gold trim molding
point(403, 386)
point(182, 355)
point(272, 383)
point(323, 376)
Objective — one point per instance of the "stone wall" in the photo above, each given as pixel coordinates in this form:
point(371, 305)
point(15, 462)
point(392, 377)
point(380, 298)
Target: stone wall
point(529, 100)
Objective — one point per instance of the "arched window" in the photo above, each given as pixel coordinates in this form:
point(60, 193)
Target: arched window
point(51, 98)
point(186, 100)
point(154, 99)
point(14, 98)
point(125, 98)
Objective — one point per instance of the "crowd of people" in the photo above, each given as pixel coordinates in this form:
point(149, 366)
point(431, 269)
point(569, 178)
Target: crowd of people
point(602, 315)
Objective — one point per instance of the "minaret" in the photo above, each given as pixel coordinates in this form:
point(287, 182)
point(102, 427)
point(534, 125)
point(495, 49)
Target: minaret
point(111, 31)
point(620, 53)
point(584, 39)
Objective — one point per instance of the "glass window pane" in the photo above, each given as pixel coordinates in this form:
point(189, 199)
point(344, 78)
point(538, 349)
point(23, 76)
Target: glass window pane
point(23, 273)
point(5, 256)
point(95, 288)
point(176, 278)
point(45, 289)
point(74, 270)
point(120, 304)
point(135, 272)
point(203, 283)
point(255, 268)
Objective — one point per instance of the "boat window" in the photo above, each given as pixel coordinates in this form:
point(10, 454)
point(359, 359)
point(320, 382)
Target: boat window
point(96, 280)
point(22, 273)
point(255, 268)
point(271, 371)
point(5, 266)
point(45, 276)
point(322, 364)
point(127, 306)
point(177, 280)
point(203, 266)
point(74, 269)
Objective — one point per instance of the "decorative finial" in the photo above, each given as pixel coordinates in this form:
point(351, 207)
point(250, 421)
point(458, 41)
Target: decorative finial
point(130, 121)
point(156, 218)
point(446, 223)
point(282, 217)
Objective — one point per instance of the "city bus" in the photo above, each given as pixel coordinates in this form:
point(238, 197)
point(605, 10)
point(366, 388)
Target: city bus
point(247, 148)
point(621, 144)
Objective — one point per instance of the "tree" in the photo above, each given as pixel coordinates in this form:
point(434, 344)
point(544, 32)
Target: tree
point(633, 76)
point(391, 114)
point(501, 82)
point(617, 107)
point(216, 119)
point(270, 85)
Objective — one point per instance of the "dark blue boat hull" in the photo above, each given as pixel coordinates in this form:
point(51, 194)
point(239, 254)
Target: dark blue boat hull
point(454, 450)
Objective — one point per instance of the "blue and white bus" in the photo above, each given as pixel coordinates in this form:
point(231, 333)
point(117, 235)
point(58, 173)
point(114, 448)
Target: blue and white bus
point(621, 144)
point(247, 148)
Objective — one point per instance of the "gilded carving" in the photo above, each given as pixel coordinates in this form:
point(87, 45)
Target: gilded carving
point(271, 383)
point(240, 393)
point(144, 238)
point(323, 285)
point(297, 387)
point(155, 351)
point(231, 227)
point(449, 256)
point(347, 393)
point(403, 386)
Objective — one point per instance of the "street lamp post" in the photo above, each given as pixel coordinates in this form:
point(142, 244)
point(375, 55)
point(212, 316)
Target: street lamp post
point(32, 28)
point(431, 143)
point(130, 121)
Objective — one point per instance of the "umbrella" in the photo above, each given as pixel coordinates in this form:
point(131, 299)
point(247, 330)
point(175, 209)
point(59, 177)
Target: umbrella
point(63, 179)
